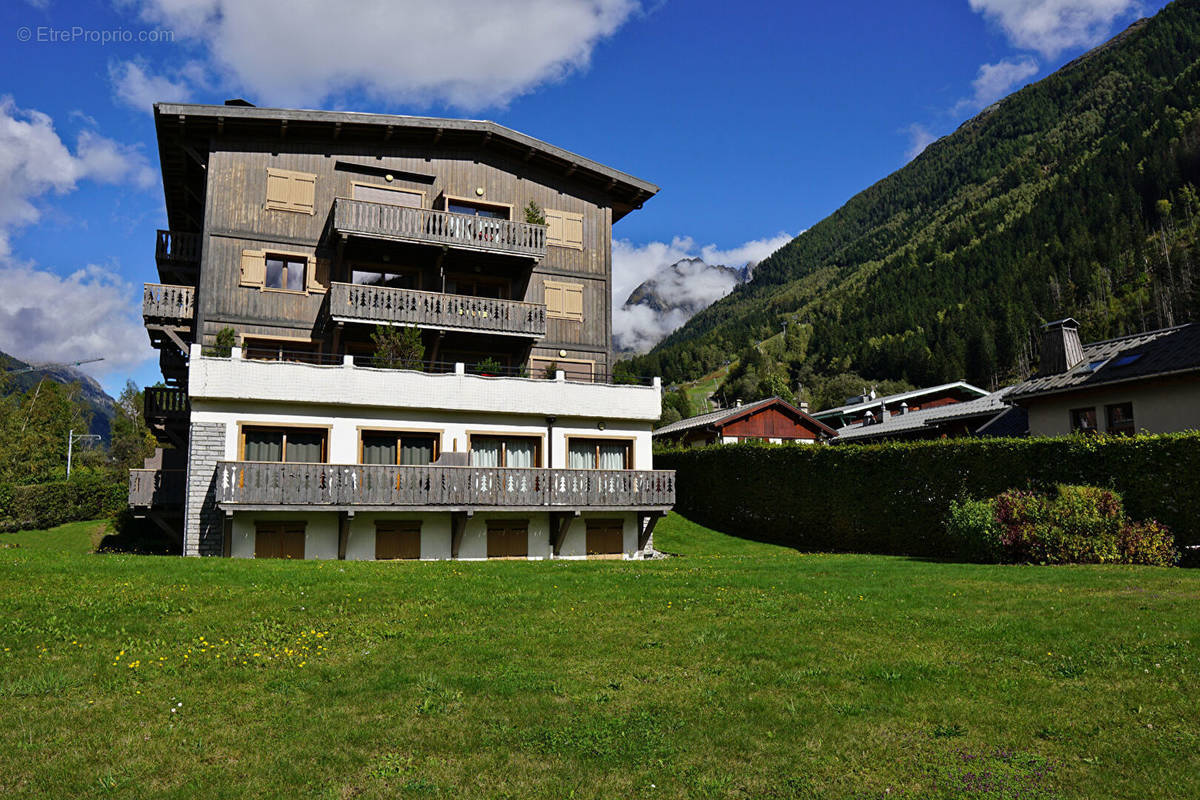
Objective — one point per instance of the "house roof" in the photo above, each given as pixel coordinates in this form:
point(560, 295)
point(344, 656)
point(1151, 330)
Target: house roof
point(727, 415)
point(897, 398)
point(184, 131)
point(989, 405)
point(1141, 356)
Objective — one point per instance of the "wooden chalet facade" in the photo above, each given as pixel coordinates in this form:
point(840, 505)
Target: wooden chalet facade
point(303, 233)
point(773, 420)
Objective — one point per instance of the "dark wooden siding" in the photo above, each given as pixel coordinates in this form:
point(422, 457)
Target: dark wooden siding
point(770, 423)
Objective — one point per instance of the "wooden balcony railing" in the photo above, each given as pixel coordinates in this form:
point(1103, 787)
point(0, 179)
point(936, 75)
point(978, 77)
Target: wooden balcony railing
point(163, 404)
point(425, 226)
point(374, 304)
point(270, 485)
point(177, 247)
point(165, 302)
point(156, 487)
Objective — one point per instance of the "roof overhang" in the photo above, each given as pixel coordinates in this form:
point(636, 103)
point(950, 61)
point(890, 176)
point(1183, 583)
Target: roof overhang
point(1019, 398)
point(186, 130)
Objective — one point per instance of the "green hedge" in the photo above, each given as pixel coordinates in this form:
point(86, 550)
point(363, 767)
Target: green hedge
point(894, 498)
point(44, 505)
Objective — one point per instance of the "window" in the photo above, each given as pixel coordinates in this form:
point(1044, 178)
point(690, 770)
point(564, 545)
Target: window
point(1083, 420)
point(279, 540)
point(476, 209)
point(1120, 419)
point(599, 454)
point(508, 538)
point(477, 287)
point(395, 278)
point(388, 195)
point(564, 229)
point(505, 451)
point(605, 537)
point(574, 370)
point(290, 191)
point(291, 445)
point(1125, 361)
point(397, 539)
point(399, 447)
point(564, 300)
point(287, 272)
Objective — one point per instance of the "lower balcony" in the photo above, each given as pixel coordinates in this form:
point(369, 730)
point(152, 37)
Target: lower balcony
point(350, 302)
point(244, 485)
point(156, 488)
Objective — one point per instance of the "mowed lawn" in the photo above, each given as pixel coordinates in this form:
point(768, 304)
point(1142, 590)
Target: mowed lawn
point(735, 670)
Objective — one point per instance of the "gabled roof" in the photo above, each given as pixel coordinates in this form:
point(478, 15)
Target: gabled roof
point(898, 398)
point(988, 406)
point(726, 416)
point(184, 131)
point(1141, 356)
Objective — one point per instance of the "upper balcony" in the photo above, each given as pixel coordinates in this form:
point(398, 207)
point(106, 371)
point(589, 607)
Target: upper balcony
point(163, 303)
point(177, 254)
point(442, 228)
point(349, 302)
point(156, 488)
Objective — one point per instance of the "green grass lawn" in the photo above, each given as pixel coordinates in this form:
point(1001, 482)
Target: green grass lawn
point(736, 670)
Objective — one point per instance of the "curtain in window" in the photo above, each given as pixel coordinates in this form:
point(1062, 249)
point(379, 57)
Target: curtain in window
point(485, 452)
point(416, 451)
point(264, 445)
point(519, 453)
point(379, 449)
point(612, 456)
point(305, 446)
point(582, 455)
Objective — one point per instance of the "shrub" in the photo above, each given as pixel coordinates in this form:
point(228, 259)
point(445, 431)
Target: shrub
point(44, 505)
point(1071, 525)
point(223, 343)
point(398, 347)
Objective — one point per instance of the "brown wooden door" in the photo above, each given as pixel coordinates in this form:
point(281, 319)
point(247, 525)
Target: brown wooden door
point(508, 539)
point(397, 540)
point(605, 537)
point(279, 540)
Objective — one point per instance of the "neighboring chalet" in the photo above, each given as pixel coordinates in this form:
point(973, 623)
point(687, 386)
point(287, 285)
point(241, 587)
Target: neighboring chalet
point(869, 408)
point(1147, 382)
point(301, 233)
point(989, 415)
point(772, 420)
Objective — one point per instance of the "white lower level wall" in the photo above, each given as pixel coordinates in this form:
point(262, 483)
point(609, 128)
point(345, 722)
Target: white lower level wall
point(321, 534)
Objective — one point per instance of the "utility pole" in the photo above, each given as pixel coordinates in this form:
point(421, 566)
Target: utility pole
point(71, 439)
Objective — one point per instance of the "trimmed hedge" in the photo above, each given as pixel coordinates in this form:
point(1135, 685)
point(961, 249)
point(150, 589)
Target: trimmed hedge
point(894, 498)
point(44, 505)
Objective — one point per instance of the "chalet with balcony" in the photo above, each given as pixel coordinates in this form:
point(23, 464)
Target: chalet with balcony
point(295, 236)
point(773, 420)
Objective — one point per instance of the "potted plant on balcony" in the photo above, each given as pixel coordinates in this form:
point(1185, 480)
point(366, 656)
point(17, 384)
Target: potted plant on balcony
point(488, 367)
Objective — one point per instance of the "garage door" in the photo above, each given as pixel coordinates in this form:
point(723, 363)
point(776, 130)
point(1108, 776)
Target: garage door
point(279, 540)
point(397, 540)
point(605, 537)
point(508, 539)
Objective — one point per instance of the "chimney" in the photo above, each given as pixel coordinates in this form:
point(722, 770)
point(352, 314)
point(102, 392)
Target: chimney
point(1061, 349)
point(804, 406)
point(739, 402)
point(903, 407)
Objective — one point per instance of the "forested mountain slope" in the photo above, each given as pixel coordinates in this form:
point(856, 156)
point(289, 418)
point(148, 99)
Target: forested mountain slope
point(1075, 196)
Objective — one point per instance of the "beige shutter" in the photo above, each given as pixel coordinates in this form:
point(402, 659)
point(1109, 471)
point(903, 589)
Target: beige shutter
point(318, 274)
point(279, 188)
point(254, 268)
point(554, 299)
point(304, 191)
point(573, 301)
point(554, 225)
point(572, 231)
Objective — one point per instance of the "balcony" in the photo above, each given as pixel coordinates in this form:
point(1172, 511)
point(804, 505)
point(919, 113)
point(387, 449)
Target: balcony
point(263, 486)
point(164, 405)
point(425, 226)
point(156, 488)
point(350, 302)
point(177, 254)
point(168, 304)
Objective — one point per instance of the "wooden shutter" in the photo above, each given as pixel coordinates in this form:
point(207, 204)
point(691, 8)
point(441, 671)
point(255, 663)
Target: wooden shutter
point(605, 537)
point(573, 301)
point(563, 228)
point(291, 191)
point(508, 539)
point(279, 189)
point(254, 268)
point(279, 540)
point(388, 195)
point(304, 192)
point(554, 299)
point(554, 225)
point(318, 274)
point(398, 540)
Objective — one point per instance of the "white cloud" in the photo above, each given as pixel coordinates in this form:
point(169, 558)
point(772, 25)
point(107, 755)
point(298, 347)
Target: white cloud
point(919, 137)
point(687, 290)
point(48, 318)
point(994, 81)
point(467, 53)
point(1052, 26)
point(35, 162)
point(135, 86)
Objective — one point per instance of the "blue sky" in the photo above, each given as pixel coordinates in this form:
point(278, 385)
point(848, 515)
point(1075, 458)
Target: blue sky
point(756, 118)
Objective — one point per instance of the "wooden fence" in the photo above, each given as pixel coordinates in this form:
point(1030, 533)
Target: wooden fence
point(427, 226)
